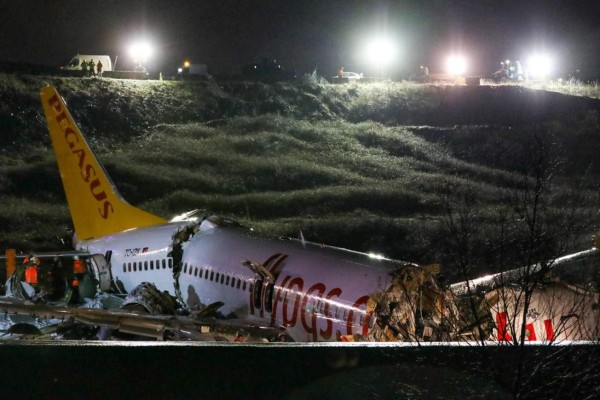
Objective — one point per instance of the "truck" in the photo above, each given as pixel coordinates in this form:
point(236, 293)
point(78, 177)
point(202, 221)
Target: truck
point(190, 70)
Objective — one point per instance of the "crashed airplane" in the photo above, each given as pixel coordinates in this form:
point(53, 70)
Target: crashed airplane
point(171, 278)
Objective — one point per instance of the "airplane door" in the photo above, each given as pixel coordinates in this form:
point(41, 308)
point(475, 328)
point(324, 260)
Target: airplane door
point(262, 294)
point(262, 287)
point(101, 271)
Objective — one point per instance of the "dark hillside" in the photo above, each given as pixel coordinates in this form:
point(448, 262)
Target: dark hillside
point(376, 167)
point(125, 108)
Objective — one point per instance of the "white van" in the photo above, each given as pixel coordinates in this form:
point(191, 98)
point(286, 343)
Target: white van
point(75, 63)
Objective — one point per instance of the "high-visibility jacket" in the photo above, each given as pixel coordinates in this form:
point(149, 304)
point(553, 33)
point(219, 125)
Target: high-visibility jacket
point(78, 266)
point(31, 275)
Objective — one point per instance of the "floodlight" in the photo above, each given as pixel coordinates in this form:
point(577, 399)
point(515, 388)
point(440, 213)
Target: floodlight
point(381, 52)
point(539, 66)
point(456, 65)
point(140, 52)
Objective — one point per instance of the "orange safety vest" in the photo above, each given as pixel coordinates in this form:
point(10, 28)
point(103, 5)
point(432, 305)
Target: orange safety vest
point(31, 275)
point(78, 266)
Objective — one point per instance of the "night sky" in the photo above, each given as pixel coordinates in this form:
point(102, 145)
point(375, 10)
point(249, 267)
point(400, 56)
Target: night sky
point(304, 34)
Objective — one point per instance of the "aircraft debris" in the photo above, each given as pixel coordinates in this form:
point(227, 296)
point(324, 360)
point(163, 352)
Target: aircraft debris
point(556, 311)
point(413, 308)
point(146, 298)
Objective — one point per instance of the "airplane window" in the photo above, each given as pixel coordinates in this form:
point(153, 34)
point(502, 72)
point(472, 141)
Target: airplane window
point(129, 267)
point(206, 274)
point(212, 275)
point(361, 320)
point(134, 266)
point(145, 265)
point(152, 264)
point(185, 268)
point(346, 314)
point(124, 267)
point(164, 264)
point(222, 278)
point(232, 282)
point(239, 283)
point(196, 271)
point(337, 313)
point(170, 263)
point(227, 280)
point(217, 277)
point(244, 287)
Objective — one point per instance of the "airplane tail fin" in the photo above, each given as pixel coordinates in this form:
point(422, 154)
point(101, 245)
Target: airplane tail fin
point(96, 207)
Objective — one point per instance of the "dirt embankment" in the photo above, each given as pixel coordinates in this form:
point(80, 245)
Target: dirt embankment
point(118, 109)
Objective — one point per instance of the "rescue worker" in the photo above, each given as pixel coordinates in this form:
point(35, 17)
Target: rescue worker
point(92, 68)
point(99, 69)
point(31, 264)
point(241, 336)
point(84, 68)
point(78, 272)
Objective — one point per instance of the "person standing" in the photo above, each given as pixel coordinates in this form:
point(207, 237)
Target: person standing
point(92, 66)
point(31, 270)
point(99, 69)
point(84, 68)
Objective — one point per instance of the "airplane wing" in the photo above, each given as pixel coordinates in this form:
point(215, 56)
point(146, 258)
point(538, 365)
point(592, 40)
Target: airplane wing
point(156, 327)
point(491, 281)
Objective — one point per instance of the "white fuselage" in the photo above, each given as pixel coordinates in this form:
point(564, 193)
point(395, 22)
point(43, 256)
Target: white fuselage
point(316, 292)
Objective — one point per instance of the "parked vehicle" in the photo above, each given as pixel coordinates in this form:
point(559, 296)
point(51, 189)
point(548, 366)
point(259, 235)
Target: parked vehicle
point(77, 59)
point(353, 76)
point(344, 77)
point(510, 71)
point(188, 68)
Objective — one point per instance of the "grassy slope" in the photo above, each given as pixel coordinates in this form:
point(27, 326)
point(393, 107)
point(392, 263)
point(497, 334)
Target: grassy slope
point(364, 167)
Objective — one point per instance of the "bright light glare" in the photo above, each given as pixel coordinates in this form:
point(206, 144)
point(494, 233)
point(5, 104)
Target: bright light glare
point(376, 256)
point(140, 52)
point(456, 65)
point(539, 66)
point(381, 52)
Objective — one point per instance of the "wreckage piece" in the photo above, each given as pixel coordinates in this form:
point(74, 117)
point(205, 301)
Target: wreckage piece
point(413, 308)
point(150, 327)
point(557, 311)
point(146, 298)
